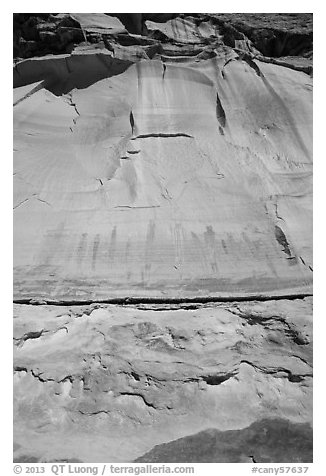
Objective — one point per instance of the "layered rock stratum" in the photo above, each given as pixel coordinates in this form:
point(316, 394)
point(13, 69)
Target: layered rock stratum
point(163, 237)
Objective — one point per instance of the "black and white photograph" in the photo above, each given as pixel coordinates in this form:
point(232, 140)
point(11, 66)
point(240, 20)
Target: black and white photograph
point(162, 239)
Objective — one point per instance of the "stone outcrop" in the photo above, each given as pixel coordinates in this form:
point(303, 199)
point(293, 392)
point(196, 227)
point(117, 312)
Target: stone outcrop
point(136, 376)
point(284, 441)
point(162, 237)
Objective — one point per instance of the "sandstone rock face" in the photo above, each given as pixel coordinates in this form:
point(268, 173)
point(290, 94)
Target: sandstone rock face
point(162, 237)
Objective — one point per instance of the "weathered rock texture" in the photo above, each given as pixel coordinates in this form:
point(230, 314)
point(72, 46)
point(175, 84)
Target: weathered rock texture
point(106, 383)
point(163, 161)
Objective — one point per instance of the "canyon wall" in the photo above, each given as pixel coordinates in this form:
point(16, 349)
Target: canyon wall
point(162, 236)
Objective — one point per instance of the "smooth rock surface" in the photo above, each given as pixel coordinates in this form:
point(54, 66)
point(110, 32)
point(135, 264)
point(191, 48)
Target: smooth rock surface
point(165, 180)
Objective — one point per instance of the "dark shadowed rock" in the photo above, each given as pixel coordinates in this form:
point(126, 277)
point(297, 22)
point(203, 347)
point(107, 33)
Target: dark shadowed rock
point(266, 441)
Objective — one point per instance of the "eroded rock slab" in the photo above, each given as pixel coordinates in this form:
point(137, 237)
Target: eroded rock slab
point(135, 377)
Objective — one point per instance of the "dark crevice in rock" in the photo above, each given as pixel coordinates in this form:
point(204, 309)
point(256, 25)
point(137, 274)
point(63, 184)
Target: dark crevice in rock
point(164, 70)
point(220, 113)
point(294, 378)
point(248, 59)
point(39, 375)
point(218, 378)
point(276, 211)
point(148, 404)
point(41, 379)
point(129, 206)
point(135, 376)
point(162, 134)
point(281, 239)
point(43, 201)
point(97, 412)
point(164, 300)
point(19, 368)
point(132, 122)
point(20, 203)
point(72, 104)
